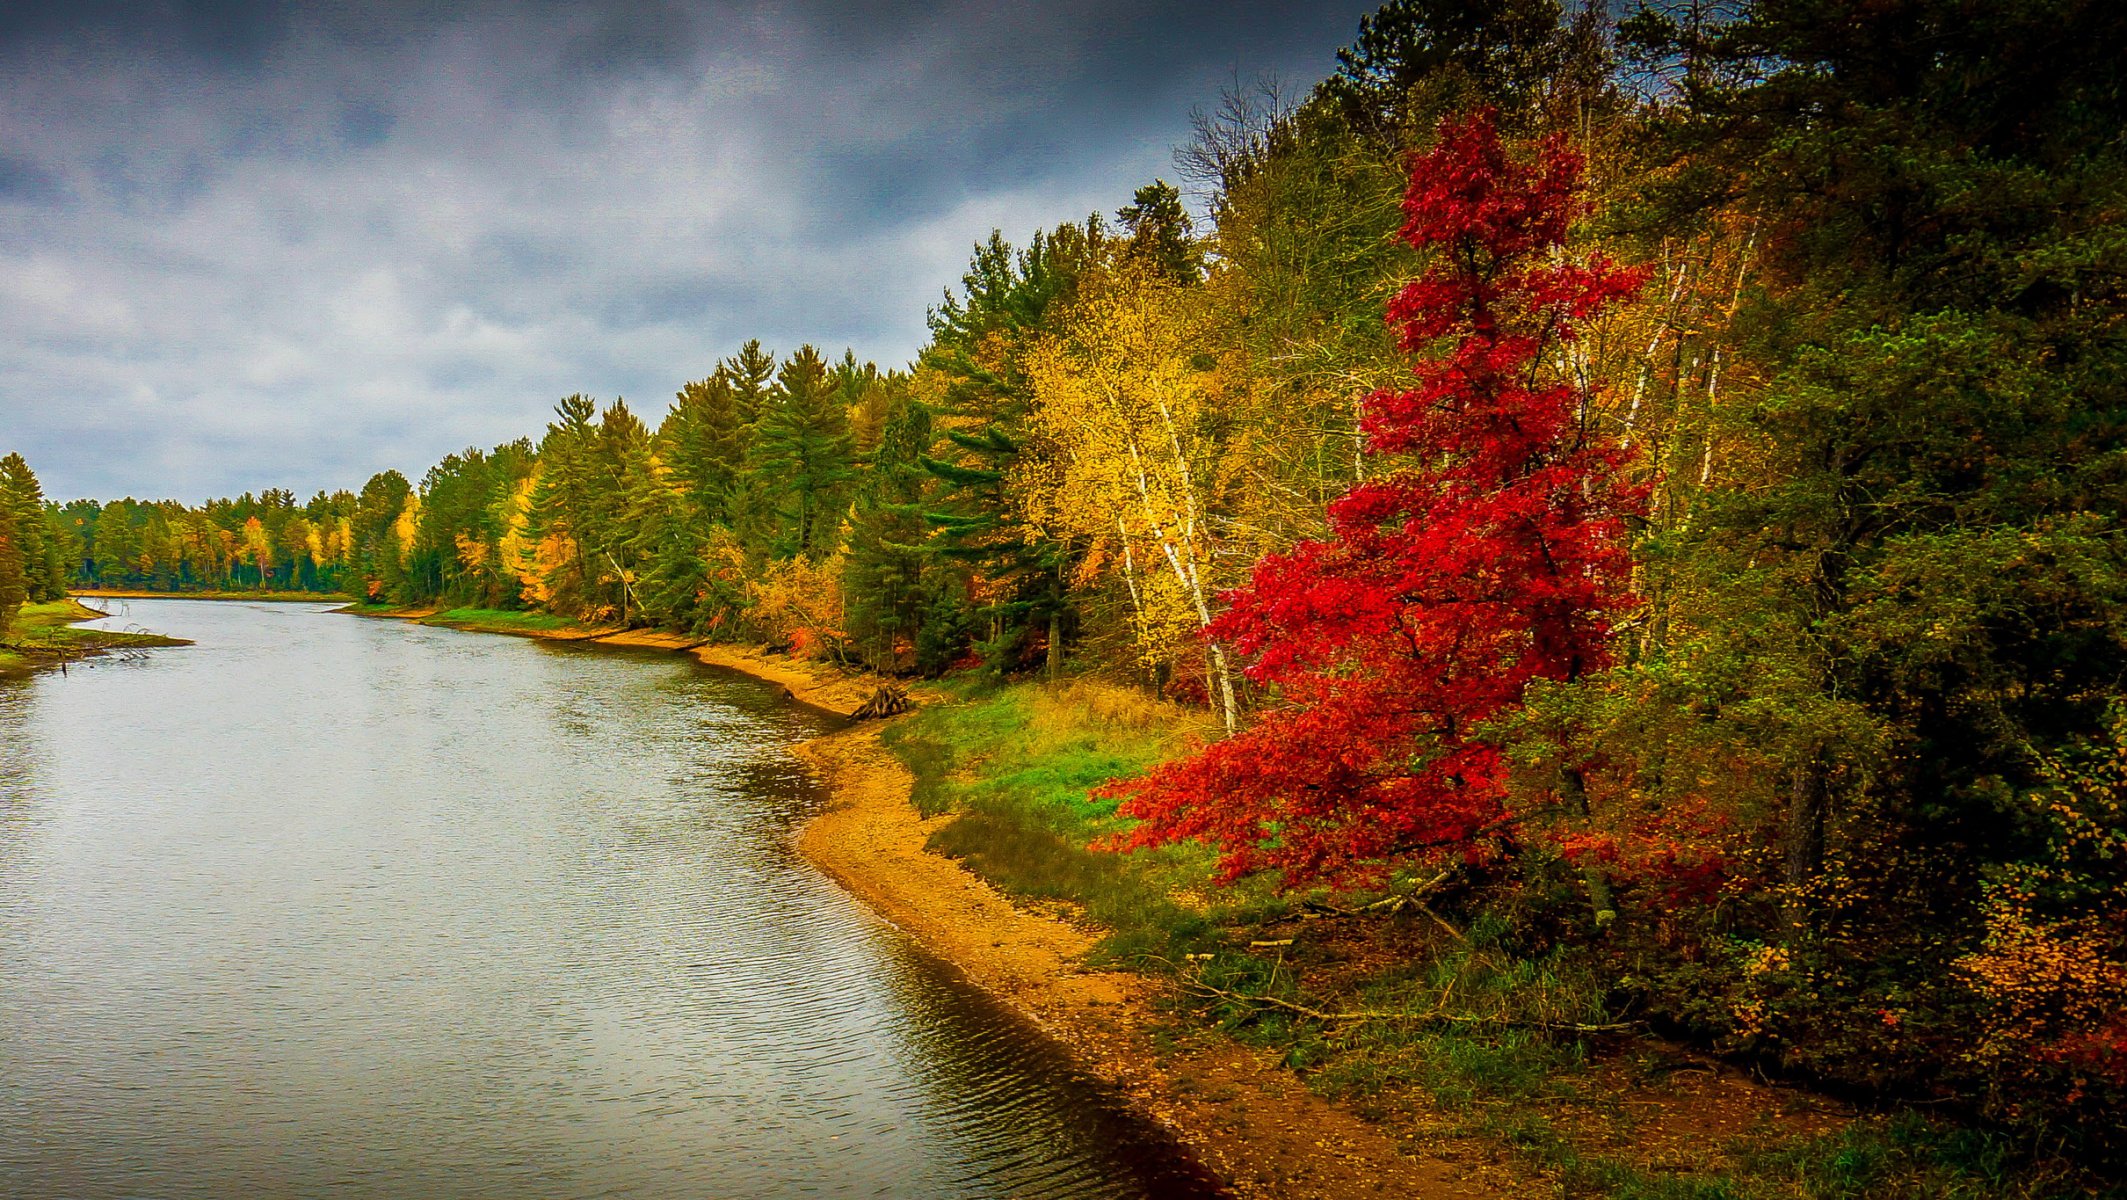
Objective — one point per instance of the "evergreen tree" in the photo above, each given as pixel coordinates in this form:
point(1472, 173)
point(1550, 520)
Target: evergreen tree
point(704, 438)
point(375, 552)
point(751, 373)
point(43, 569)
point(561, 504)
point(1160, 234)
point(890, 577)
point(978, 342)
point(1418, 60)
point(804, 455)
point(631, 510)
point(14, 589)
point(1913, 586)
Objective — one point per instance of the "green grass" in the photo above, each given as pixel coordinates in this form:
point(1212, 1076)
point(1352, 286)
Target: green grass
point(47, 634)
point(498, 619)
point(1017, 766)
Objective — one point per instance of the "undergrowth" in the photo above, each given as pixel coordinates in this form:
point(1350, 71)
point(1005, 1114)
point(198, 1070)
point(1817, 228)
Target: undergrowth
point(1015, 765)
point(1409, 1019)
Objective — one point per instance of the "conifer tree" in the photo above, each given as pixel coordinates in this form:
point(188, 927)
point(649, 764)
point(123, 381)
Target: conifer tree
point(890, 577)
point(704, 440)
point(13, 588)
point(804, 455)
point(979, 340)
point(374, 553)
point(562, 502)
point(43, 571)
point(1160, 234)
point(751, 373)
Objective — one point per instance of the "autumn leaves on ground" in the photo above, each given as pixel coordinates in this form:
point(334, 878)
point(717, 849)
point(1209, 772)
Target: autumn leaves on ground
point(1595, 579)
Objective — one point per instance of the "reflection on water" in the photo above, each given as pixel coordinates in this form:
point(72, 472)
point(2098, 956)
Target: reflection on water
point(326, 906)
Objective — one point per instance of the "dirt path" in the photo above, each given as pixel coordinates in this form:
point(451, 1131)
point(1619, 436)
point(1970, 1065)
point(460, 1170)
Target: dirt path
point(1253, 1123)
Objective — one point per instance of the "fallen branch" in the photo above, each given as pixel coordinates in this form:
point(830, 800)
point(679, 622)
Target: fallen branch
point(1205, 990)
point(1394, 904)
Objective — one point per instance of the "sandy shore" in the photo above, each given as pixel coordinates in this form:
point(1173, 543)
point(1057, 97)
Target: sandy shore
point(1251, 1122)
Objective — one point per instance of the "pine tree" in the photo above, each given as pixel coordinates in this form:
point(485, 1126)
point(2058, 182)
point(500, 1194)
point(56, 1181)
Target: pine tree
point(704, 439)
point(979, 340)
point(562, 502)
point(13, 588)
point(1160, 233)
point(751, 373)
point(890, 577)
point(374, 554)
point(804, 456)
point(43, 569)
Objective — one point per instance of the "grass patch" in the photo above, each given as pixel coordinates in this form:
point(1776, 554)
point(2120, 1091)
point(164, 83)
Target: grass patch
point(1016, 766)
point(48, 634)
point(498, 619)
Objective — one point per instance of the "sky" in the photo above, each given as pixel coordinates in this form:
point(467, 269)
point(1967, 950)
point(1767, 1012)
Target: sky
point(282, 244)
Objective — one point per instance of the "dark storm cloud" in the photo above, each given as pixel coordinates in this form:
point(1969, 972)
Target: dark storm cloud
point(260, 244)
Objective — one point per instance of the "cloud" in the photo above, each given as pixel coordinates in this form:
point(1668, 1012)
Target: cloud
point(245, 246)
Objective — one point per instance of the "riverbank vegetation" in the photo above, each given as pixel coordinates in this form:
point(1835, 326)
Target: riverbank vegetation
point(45, 635)
point(1623, 517)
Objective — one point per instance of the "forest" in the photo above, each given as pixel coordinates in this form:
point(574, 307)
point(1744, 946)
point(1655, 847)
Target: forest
point(1653, 487)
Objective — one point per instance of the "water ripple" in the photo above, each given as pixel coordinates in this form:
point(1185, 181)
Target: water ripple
point(330, 907)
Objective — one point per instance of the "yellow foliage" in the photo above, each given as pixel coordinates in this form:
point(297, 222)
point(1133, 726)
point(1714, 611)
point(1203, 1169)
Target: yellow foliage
point(2052, 969)
point(515, 555)
point(404, 530)
point(1127, 399)
point(472, 552)
point(257, 546)
point(799, 601)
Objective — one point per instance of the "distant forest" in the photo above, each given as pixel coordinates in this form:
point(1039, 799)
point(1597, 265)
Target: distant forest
point(1671, 470)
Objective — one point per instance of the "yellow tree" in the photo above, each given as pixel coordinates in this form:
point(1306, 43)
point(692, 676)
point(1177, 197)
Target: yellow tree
point(258, 547)
point(1125, 394)
point(517, 551)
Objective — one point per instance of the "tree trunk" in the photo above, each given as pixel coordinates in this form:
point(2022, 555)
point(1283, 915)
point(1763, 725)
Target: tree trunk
point(1600, 900)
point(1055, 644)
point(1802, 834)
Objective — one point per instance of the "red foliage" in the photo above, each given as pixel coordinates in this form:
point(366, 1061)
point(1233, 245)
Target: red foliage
point(1493, 554)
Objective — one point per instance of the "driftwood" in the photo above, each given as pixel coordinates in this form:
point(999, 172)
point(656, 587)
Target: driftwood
point(891, 700)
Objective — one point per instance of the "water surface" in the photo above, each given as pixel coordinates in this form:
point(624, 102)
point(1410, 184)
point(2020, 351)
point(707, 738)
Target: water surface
point(324, 906)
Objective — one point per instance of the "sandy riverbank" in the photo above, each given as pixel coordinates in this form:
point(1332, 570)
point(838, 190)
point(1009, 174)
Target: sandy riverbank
point(1254, 1124)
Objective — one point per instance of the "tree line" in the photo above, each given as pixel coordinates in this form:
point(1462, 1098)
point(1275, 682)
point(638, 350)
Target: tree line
point(35, 554)
point(1754, 631)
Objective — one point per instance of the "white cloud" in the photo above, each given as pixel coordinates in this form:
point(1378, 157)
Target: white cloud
point(341, 254)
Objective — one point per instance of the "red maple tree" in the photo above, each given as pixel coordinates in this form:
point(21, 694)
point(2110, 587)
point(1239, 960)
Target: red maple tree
point(1491, 554)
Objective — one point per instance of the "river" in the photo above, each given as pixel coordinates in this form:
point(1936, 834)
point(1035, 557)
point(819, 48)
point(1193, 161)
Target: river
point(324, 906)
